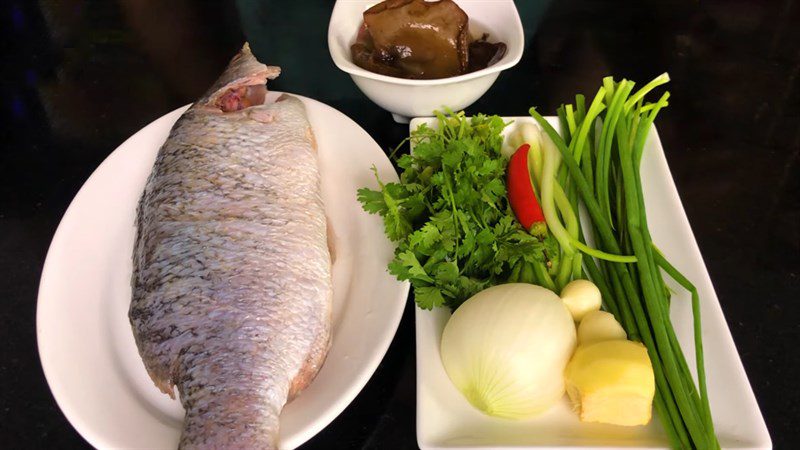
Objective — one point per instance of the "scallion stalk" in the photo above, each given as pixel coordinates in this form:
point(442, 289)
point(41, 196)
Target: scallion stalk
point(604, 174)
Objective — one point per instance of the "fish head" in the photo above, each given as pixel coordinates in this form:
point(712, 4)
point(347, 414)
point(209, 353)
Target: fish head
point(242, 85)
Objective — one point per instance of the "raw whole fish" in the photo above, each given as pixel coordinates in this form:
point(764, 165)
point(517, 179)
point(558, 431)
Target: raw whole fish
point(231, 266)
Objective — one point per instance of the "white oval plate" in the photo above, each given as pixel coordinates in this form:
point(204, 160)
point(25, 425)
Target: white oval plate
point(85, 341)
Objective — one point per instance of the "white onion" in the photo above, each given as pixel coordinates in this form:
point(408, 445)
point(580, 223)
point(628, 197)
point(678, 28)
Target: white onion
point(506, 348)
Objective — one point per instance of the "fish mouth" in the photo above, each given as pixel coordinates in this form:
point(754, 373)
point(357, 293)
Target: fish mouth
point(244, 92)
point(241, 86)
point(237, 98)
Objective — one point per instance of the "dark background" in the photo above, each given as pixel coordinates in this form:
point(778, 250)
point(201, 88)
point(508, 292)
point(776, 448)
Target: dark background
point(80, 76)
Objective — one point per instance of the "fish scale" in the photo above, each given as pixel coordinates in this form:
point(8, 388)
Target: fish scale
point(232, 272)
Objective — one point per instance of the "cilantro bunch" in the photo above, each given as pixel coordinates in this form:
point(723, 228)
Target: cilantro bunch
point(449, 215)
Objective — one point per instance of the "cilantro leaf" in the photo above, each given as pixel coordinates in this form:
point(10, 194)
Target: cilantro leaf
point(428, 297)
point(425, 239)
point(449, 214)
point(446, 272)
point(406, 266)
point(372, 201)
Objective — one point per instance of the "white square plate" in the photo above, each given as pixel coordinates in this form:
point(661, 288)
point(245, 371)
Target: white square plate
point(445, 420)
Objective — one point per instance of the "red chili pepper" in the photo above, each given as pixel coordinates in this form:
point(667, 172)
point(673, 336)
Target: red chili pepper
point(521, 195)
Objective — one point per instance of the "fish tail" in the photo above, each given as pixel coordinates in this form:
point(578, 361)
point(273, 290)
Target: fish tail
point(230, 403)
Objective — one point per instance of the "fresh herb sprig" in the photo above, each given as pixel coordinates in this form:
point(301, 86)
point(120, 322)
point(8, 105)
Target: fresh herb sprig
point(450, 217)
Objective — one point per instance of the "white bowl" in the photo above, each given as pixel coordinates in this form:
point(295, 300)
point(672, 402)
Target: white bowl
point(418, 98)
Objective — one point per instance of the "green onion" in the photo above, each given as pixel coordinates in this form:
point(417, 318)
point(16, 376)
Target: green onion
point(599, 254)
point(698, 331)
point(603, 173)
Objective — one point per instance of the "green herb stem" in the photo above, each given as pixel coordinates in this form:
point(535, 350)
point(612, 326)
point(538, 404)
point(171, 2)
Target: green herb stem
point(698, 333)
point(639, 95)
point(637, 294)
point(599, 254)
point(550, 163)
point(652, 295)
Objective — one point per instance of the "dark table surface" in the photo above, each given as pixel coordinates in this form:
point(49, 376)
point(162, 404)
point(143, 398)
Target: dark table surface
point(80, 76)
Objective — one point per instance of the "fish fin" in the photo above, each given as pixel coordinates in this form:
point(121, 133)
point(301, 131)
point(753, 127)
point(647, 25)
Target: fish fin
point(319, 349)
point(314, 360)
point(331, 239)
point(163, 384)
point(312, 138)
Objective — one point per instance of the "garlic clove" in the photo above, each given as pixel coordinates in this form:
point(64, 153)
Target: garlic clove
point(581, 297)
